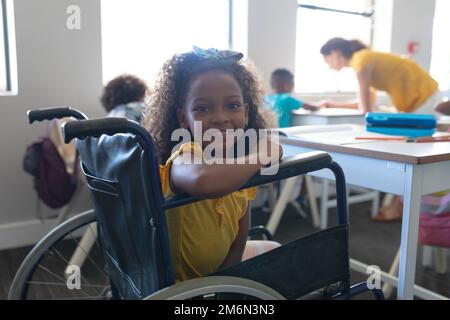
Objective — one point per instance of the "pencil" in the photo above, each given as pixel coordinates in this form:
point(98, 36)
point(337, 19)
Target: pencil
point(382, 138)
point(431, 139)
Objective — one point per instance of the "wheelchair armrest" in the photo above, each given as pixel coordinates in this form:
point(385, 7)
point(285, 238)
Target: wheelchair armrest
point(293, 166)
point(288, 167)
point(54, 113)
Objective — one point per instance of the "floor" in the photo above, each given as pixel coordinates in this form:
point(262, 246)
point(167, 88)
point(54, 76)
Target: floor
point(373, 243)
point(370, 242)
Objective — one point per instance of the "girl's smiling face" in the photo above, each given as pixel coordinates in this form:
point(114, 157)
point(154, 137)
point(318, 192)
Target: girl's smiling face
point(214, 98)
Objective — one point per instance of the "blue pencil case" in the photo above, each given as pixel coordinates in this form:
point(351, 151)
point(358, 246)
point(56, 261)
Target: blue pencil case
point(403, 131)
point(401, 120)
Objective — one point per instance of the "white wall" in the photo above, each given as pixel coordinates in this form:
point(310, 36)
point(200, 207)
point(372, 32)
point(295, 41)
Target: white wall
point(412, 20)
point(56, 67)
point(271, 35)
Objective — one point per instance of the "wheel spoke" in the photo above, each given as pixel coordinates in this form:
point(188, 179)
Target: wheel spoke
point(58, 277)
point(45, 278)
point(63, 284)
point(67, 263)
point(87, 255)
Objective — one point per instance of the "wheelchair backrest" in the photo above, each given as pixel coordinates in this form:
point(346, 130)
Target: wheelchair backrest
point(123, 177)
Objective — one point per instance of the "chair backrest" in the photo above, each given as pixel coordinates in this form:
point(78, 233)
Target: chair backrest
point(123, 177)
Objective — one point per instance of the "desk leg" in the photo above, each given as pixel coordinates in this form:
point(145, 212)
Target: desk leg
point(312, 200)
point(282, 201)
point(410, 230)
point(387, 288)
point(83, 248)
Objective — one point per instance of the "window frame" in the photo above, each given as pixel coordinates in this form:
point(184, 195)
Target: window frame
point(6, 46)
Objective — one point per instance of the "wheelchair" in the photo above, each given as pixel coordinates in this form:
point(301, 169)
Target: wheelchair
point(119, 162)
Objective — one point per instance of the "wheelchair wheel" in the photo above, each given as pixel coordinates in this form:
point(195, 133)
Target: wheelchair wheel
point(217, 288)
point(43, 273)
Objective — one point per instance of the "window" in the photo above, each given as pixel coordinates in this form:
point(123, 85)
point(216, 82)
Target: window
point(138, 36)
point(5, 46)
point(314, 28)
point(440, 52)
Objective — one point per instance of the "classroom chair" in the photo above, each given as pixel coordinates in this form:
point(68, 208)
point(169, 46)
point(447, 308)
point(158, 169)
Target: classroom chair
point(328, 200)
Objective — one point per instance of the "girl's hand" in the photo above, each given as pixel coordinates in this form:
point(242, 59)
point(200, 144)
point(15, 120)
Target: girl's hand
point(275, 145)
point(269, 151)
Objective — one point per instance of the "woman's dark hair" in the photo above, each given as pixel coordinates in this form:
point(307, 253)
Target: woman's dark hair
point(122, 90)
point(172, 86)
point(346, 47)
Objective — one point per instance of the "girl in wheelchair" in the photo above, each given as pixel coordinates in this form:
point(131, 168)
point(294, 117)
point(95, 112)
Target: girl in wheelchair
point(216, 90)
point(206, 237)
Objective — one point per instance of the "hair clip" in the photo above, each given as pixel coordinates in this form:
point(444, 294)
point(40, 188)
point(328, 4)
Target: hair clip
point(222, 55)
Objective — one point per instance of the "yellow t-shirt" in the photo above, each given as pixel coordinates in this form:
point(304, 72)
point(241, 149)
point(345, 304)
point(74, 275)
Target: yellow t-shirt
point(405, 81)
point(201, 233)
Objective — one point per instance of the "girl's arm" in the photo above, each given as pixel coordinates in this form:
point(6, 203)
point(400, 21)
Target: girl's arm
point(216, 180)
point(236, 251)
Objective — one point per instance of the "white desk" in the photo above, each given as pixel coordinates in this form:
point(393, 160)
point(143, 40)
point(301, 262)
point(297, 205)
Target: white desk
point(407, 169)
point(302, 117)
point(332, 116)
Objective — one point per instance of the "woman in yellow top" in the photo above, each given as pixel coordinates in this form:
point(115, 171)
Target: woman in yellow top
point(197, 91)
point(410, 87)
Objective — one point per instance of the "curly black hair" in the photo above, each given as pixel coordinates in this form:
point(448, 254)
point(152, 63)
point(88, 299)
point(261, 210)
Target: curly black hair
point(172, 86)
point(122, 90)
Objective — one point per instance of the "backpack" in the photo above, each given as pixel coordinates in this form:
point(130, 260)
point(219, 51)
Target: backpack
point(434, 219)
point(53, 184)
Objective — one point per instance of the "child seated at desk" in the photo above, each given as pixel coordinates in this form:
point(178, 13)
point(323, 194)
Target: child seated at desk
point(282, 101)
point(124, 97)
